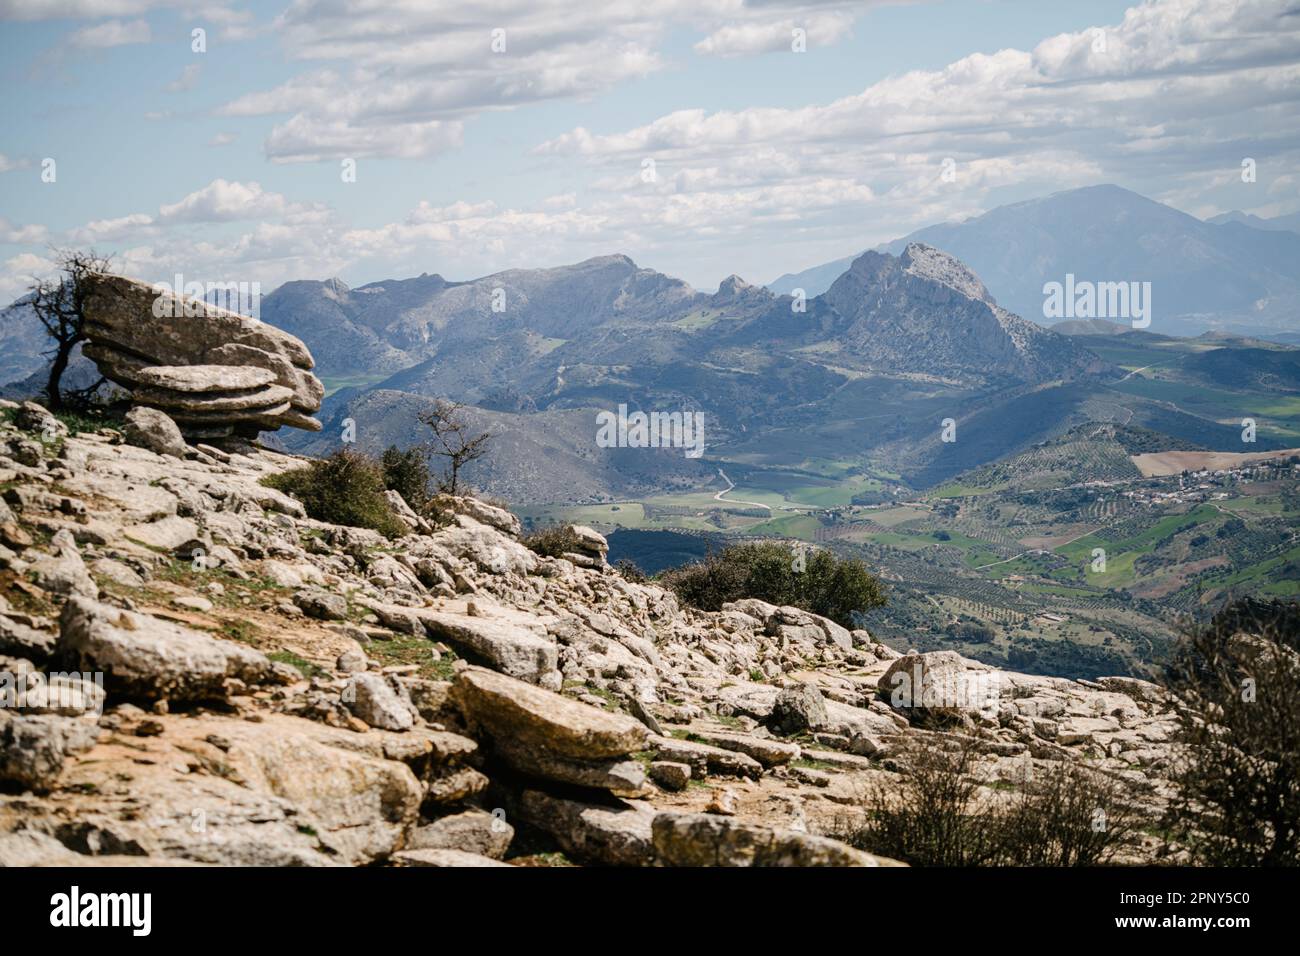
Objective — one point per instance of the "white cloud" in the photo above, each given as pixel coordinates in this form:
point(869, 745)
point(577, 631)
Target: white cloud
point(9, 165)
point(111, 33)
point(223, 139)
point(422, 66)
point(308, 138)
point(189, 76)
point(15, 234)
point(769, 36)
point(20, 272)
point(223, 201)
point(107, 230)
point(73, 9)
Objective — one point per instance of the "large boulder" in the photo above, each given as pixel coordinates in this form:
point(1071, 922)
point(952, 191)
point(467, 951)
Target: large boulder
point(213, 371)
point(939, 682)
point(528, 716)
point(501, 640)
point(64, 573)
point(473, 831)
point(144, 656)
point(701, 839)
point(799, 710)
point(34, 747)
point(152, 429)
point(203, 787)
point(609, 834)
point(373, 700)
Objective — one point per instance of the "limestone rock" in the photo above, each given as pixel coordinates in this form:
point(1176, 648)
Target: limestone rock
point(370, 697)
point(704, 759)
point(529, 716)
point(64, 572)
point(443, 858)
point(203, 378)
point(152, 429)
point(613, 834)
point(798, 710)
point(938, 681)
point(670, 775)
point(512, 649)
point(473, 831)
point(480, 511)
point(698, 839)
point(31, 417)
point(214, 371)
point(322, 605)
point(34, 747)
point(614, 774)
point(147, 657)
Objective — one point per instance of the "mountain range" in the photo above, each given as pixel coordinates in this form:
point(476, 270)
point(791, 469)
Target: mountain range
point(1234, 272)
point(855, 380)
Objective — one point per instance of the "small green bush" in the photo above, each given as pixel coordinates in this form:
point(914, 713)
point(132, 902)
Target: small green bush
point(407, 473)
point(553, 542)
point(630, 571)
point(346, 488)
point(818, 581)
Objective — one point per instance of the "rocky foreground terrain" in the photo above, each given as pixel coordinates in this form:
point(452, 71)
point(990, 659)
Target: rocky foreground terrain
point(231, 682)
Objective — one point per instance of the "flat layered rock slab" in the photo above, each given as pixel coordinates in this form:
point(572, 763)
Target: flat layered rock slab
point(165, 534)
point(210, 416)
point(612, 774)
point(701, 839)
point(226, 400)
point(511, 648)
point(203, 378)
point(770, 753)
point(530, 716)
point(137, 317)
point(148, 657)
point(616, 833)
point(704, 759)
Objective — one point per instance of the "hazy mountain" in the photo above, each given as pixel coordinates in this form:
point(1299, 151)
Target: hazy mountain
point(813, 281)
point(1290, 223)
point(395, 324)
point(23, 342)
point(1204, 275)
point(894, 336)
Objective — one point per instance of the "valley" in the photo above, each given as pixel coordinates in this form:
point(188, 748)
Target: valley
point(998, 560)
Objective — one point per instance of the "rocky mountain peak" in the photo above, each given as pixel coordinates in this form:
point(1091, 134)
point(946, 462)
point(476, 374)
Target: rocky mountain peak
point(925, 312)
point(335, 288)
point(930, 263)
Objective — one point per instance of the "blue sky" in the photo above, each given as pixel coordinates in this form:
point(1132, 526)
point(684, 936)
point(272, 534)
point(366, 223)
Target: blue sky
point(226, 164)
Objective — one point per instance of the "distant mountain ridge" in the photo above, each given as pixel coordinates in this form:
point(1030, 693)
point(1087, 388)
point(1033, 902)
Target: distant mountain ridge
point(1206, 275)
point(856, 379)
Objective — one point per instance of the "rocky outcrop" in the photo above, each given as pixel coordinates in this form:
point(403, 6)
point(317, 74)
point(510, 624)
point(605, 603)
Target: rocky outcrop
point(276, 690)
point(215, 373)
point(144, 656)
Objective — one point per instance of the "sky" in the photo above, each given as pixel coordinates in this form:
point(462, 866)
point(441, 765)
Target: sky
point(366, 140)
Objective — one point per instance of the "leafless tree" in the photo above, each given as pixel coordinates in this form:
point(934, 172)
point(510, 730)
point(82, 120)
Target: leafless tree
point(58, 303)
point(454, 440)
